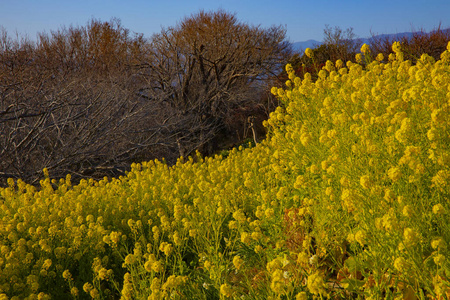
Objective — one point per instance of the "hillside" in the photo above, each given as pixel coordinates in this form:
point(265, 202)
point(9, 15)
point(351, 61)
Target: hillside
point(347, 198)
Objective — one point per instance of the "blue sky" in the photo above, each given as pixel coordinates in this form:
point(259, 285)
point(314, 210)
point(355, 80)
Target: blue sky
point(304, 19)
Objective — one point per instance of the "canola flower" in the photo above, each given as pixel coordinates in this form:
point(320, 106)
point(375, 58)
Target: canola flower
point(360, 155)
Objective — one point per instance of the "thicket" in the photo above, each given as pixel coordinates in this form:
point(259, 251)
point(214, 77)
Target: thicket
point(91, 100)
point(432, 43)
point(339, 44)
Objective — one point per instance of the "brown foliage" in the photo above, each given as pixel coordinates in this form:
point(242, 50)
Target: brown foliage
point(69, 103)
point(337, 44)
point(343, 45)
point(432, 43)
point(209, 66)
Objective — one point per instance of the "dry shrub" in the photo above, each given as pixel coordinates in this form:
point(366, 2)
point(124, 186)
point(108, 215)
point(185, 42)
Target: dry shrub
point(432, 43)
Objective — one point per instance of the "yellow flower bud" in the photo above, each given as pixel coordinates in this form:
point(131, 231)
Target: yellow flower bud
point(365, 49)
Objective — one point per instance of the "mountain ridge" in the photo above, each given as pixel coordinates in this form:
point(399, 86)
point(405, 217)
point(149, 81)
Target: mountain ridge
point(302, 45)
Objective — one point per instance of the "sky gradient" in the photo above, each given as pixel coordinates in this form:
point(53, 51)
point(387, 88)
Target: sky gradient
point(304, 20)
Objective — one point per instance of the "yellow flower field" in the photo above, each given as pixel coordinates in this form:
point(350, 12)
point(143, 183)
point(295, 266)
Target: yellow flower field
point(349, 197)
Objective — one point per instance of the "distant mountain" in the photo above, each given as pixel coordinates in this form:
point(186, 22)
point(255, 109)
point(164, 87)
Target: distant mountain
point(301, 46)
point(393, 37)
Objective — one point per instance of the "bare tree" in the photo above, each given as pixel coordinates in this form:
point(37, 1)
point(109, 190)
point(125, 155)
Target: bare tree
point(91, 100)
point(414, 44)
point(69, 103)
point(340, 44)
point(337, 44)
point(210, 64)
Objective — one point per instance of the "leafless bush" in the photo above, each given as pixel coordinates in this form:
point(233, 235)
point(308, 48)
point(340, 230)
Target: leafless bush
point(209, 65)
point(414, 45)
point(91, 100)
point(68, 107)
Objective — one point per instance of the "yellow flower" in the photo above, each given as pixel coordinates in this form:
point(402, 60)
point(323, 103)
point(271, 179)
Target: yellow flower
point(365, 49)
point(411, 237)
point(277, 284)
point(358, 58)
point(350, 237)
point(238, 262)
point(305, 139)
point(87, 287)
point(94, 294)
point(349, 199)
point(324, 164)
point(114, 237)
point(439, 259)
point(288, 83)
point(345, 182)
point(103, 274)
point(309, 52)
point(314, 169)
point(239, 216)
point(74, 291)
point(226, 290)
point(439, 244)
point(389, 221)
point(438, 209)
point(380, 57)
point(157, 266)
point(269, 213)
point(170, 283)
point(47, 264)
point(232, 224)
point(394, 173)
point(441, 179)
point(438, 116)
point(130, 259)
point(273, 265)
point(289, 68)
point(193, 233)
point(299, 182)
point(316, 284)
point(365, 181)
point(329, 66)
point(389, 195)
point(274, 91)
point(256, 235)
point(43, 296)
point(302, 258)
point(168, 249)
point(176, 238)
point(361, 237)
point(322, 74)
point(396, 47)
point(301, 296)
point(407, 211)
point(245, 237)
point(432, 134)
point(66, 275)
point(156, 284)
point(401, 264)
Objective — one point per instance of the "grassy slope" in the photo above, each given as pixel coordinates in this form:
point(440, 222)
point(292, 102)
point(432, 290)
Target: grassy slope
point(348, 197)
